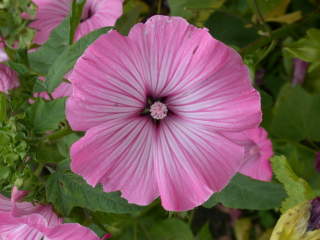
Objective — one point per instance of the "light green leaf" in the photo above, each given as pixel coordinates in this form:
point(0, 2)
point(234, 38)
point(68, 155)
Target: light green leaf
point(66, 191)
point(308, 48)
point(171, 229)
point(64, 62)
point(46, 115)
point(297, 188)
point(296, 115)
point(246, 193)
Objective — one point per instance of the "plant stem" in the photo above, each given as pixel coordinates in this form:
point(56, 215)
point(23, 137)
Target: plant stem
point(261, 19)
point(59, 134)
point(159, 6)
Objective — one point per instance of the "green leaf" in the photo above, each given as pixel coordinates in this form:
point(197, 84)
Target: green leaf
point(269, 8)
point(301, 159)
point(171, 229)
point(132, 13)
point(296, 115)
point(66, 191)
point(198, 11)
point(297, 188)
point(68, 58)
point(3, 107)
point(231, 29)
point(42, 59)
point(204, 233)
point(307, 49)
point(76, 13)
point(246, 193)
point(46, 115)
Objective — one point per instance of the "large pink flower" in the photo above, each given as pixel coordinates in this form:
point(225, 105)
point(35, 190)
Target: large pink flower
point(154, 105)
point(8, 77)
point(25, 221)
point(258, 151)
point(96, 14)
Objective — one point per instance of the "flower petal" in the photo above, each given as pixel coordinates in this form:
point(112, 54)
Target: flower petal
point(70, 231)
point(8, 78)
point(192, 163)
point(51, 13)
point(118, 154)
point(258, 165)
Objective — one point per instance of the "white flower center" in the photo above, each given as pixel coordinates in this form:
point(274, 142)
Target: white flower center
point(158, 110)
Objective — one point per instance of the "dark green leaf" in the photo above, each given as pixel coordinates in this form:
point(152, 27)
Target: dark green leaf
point(66, 191)
point(46, 115)
point(231, 29)
point(3, 106)
point(171, 229)
point(296, 115)
point(246, 193)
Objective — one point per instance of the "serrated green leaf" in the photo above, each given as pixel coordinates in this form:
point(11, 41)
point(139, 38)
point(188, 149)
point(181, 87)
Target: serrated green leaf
point(171, 229)
point(296, 115)
point(298, 189)
point(246, 193)
point(301, 159)
point(68, 58)
point(46, 115)
point(66, 191)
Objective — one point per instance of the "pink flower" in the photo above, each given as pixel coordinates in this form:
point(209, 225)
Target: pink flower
point(8, 77)
point(299, 71)
point(96, 14)
point(23, 220)
point(180, 155)
point(258, 151)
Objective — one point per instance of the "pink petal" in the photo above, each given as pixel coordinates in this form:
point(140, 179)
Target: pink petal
point(192, 163)
point(102, 156)
point(70, 231)
point(8, 78)
point(258, 153)
point(122, 96)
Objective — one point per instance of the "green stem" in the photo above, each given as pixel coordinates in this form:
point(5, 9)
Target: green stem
point(148, 208)
point(261, 19)
point(38, 171)
point(159, 6)
point(59, 134)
